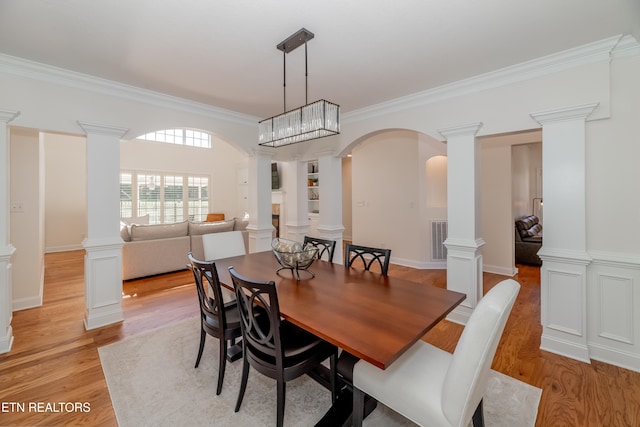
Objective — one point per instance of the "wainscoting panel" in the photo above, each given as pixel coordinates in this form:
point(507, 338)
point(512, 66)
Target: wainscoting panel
point(614, 309)
point(565, 301)
point(103, 283)
point(105, 271)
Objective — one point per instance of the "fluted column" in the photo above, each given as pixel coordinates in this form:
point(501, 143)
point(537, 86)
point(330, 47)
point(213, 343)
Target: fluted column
point(563, 275)
point(296, 200)
point(6, 248)
point(103, 245)
point(330, 221)
point(260, 226)
point(464, 253)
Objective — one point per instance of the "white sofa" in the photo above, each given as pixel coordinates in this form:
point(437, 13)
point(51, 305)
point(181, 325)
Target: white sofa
point(162, 248)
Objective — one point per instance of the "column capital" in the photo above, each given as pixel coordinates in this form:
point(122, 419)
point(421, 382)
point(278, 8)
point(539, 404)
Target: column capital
point(326, 153)
point(462, 130)
point(6, 252)
point(97, 128)
point(7, 115)
point(564, 114)
point(262, 151)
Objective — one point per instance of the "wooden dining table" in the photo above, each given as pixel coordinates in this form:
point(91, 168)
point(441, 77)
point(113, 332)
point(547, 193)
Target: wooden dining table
point(371, 316)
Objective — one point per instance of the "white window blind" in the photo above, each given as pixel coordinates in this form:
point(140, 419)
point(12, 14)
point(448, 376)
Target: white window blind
point(163, 196)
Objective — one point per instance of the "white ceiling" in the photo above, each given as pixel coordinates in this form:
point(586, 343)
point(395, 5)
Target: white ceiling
point(223, 52)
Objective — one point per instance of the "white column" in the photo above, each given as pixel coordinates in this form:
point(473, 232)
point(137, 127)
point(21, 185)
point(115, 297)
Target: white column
point(330, 192)
point(260, 226)
point(563, 276)
point(6, 248)
point(103, 245)
point(464, 254)
point(296, 200)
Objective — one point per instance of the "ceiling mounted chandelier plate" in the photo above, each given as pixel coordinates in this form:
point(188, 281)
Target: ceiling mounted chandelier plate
point(311, 121)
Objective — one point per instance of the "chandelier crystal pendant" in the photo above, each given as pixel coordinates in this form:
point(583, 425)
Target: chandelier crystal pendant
point(311, 121)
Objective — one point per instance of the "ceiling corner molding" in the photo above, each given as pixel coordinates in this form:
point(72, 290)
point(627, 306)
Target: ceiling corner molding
point(628, 46)
point(8, 115)
point(600, 51)
point(47, 73)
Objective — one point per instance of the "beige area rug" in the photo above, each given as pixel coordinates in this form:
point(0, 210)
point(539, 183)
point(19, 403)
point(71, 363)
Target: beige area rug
point(152, 382)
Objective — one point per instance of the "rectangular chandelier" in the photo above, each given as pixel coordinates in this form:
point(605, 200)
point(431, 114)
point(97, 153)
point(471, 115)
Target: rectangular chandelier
point(312, 121)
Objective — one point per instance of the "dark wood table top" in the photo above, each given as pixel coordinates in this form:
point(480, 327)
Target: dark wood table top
point(373, 317)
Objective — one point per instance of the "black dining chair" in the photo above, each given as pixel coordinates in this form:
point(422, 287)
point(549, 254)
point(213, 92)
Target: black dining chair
point(368, 256)
point(218, 319)
point(275, 347)
point(324, 246)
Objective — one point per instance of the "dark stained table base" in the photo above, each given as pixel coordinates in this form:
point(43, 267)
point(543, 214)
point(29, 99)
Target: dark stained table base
point(234, 352)
point(339, 415)
point(341, 411)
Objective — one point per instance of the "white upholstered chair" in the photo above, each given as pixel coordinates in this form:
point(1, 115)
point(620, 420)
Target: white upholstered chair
point(432, 387)
point(223, 245)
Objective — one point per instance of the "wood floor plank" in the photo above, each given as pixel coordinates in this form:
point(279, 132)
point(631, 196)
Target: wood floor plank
point(54, 359)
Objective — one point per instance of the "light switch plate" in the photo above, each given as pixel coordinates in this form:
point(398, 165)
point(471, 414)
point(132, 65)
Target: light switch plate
point(17, 207)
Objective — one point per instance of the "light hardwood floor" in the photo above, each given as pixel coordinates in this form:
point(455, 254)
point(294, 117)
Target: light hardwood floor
point(54, 359)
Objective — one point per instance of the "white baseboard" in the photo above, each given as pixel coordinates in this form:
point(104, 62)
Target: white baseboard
point(564, 348)
point(503, 271)
point(25, 303)
point(6, 341)
point(442, 265)
point(420, 265)
point(615, 357)
point(63, 248)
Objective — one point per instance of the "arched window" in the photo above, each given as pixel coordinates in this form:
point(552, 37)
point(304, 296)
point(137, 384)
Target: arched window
point(189, 137)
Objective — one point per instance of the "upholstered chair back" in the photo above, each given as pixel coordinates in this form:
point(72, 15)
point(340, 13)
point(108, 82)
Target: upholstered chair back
point(468, 372)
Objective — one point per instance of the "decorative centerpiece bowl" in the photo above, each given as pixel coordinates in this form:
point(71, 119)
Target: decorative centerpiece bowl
point(293, 256)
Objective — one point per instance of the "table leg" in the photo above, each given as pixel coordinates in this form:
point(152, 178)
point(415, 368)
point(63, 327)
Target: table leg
point(341, 411)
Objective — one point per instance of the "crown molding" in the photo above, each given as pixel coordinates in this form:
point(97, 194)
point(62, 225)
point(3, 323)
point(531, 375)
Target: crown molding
point(47, 73)
point(600, 51)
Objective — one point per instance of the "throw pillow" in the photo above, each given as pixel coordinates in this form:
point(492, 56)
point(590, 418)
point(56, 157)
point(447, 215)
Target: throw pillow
point(158, 231)
point(199, 228)
point(135, 219)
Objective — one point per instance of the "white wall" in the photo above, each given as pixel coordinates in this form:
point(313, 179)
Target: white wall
point(496, 208)
point(27, 220)
point(385, 193)
point(612, 153)
point(390, 204)
point(347, 196)
point(436, 195)
point(521, 192)
point(221, 163)
point(66, 201)
point(65, 191)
